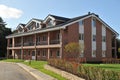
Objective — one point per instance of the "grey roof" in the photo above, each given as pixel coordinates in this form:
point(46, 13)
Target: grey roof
point(60, 18)
point(60, 25)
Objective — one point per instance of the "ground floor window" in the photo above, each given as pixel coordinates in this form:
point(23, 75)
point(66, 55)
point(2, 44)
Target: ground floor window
point(82, 54)
point(38, 53)
point(51, 53)
point(94, 53)
point(58, 53)
point(29, 53)
point(103, 53)
point(44, 53)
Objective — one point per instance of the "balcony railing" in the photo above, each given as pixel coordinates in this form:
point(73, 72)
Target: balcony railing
point(42, 43)
point(18, 45)
point(54, 41)
point(28, 44)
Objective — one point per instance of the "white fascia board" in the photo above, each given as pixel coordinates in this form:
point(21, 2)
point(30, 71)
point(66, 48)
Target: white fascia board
point(48, 18)
point(76, 21)
point(106, 25)
point(35, 32)
point(32, 20)
point(96, 18)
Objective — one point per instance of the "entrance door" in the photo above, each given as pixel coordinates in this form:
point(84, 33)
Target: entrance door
point(33, 55)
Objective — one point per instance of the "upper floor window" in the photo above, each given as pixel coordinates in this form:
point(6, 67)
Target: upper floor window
point(38, 39)
point(103, 38)
point(81, 23)
point(44, 38)
point(37, 25)
point(93, 23)
point(81, 36)
point(50, 23)
point(94, 37)
point(58, 36)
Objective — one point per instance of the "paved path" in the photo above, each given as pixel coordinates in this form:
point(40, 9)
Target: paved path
point(9, 71)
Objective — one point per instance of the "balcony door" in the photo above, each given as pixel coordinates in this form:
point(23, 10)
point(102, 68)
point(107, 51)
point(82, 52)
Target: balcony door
point(33, 55)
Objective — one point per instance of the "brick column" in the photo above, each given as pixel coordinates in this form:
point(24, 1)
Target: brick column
point(48, 53)
point(7, 53)
point(13, 44)
point(48, 44)
point(35, 47)
point(8, 42)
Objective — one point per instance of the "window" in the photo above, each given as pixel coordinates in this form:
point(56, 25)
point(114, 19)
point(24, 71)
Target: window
point(51, 53)
point(82, 54)
point(38, 53)
point(103, 53)
point(29, 53)
point(38, 39)
point(44, 53)
point(81, 23)
point(93, 23)
point(93, 53)
point(44, 38)
point(103, 38)
point(37, 25)
point(58, 36)
point(58, 53)
point(81, 36)
point(50, 23)
point(94, 37)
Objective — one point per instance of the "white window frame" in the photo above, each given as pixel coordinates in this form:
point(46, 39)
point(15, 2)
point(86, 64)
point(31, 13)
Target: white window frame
point(93, 53)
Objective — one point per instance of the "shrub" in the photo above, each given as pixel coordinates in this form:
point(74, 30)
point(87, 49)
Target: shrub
point(86, 72)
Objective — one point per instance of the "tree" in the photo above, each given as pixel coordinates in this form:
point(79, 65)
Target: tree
point(119, 50)
point(118, 46)
point(3, 41)
point(73, 48)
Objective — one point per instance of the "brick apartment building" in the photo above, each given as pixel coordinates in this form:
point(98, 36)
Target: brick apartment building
point(45, 39)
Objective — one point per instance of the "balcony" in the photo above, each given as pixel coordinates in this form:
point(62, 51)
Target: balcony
point(28, 44)
point(55, 42)
point(17, 44)
point(42, 43)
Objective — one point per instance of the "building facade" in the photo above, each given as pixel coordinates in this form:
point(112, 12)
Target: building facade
point(45, 39)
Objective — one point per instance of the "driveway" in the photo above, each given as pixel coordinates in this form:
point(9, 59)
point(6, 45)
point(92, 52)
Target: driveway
point(9, 71)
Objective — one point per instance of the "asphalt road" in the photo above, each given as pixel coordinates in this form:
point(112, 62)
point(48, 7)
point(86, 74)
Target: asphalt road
point(10, 71)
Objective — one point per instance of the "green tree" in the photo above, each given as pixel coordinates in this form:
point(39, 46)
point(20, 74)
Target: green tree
point(74, 49)
point(3, 41)
point(118, 46)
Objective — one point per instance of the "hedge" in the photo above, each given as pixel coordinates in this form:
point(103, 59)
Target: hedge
point(86, 72)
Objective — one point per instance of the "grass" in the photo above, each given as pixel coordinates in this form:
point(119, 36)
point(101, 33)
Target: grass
point(114, 67)
point(12, 60)
point(39, 65)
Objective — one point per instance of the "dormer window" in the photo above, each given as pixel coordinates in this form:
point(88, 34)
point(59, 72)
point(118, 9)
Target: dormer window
point(50, 23)
point(37, 25)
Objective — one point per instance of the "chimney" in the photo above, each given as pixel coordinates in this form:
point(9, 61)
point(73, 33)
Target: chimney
point(89, 13)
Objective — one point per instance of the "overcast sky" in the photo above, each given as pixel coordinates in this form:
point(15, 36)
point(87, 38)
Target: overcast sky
point(21, 11)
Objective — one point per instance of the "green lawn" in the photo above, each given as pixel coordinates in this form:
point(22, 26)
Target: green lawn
point(115, 67)
point(37, 65)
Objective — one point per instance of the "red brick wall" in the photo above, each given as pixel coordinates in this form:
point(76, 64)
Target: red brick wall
point(98, 40)
point(87, 39)
point(108, 43)
point(71, 34)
